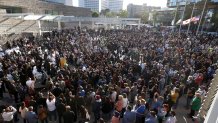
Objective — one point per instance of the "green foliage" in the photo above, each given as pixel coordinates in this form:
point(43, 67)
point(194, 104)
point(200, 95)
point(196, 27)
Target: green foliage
point(123, 14)
point(95, 14)
point(111, 14)
point(145, 17)
point(108, 13)
point(105, 11)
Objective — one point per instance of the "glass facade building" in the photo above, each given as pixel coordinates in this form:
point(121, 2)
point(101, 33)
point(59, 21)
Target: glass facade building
point(115, 5)
point(98, 5)
point(94, 5)
point(172, 3)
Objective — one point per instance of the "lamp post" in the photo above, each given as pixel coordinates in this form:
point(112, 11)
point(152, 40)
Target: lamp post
point(191, 16)
point(182, 17)
point(199, 24)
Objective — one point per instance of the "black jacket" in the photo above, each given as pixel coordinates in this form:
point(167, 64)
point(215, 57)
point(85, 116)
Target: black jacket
point(69, 117)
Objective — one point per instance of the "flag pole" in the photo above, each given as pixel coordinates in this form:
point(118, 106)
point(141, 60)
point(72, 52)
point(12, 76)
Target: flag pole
point(191, 16)
point(182, 17)
point(201, 17)
point(177, 5)
point(202, 28)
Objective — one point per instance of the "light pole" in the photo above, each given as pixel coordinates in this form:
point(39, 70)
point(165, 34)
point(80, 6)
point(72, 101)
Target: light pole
point(182, 17)
point(191, 16)
point(199, 24)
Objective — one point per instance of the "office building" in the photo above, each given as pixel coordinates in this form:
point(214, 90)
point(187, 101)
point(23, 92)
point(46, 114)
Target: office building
point(98, 5)
point(174, 3)
point(115, 5)
point(69, 2)
point(53, 7)
point(137, 10)
point(94, 5)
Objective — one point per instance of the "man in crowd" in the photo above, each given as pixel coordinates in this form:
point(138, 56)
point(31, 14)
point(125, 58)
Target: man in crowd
point(8, 114)
point(88, 69)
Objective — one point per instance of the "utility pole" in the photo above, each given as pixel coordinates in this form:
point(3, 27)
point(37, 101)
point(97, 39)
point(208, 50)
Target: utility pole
point(177, 6)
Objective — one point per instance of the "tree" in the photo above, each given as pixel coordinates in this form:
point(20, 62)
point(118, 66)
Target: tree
point(105, 11)
point(95, 14)
point(123, 14)
point(145, 17)
point(154, 14)
point(111, 14)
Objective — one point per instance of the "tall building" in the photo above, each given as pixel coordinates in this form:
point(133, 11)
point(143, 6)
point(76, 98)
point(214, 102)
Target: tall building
point(69, 2)
point(137, 10)
point(115, 5)
point(173, 3)
point(98, 5)
point(94, 5)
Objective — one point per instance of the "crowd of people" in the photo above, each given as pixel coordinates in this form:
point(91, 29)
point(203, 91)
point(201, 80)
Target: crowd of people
point(105, 76)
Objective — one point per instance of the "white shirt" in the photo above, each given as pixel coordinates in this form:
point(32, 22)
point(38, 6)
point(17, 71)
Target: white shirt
point(125, 102)
point(113, 96)
point(9, 77)
point(30, 84)
point(23, 112)
point(8, 116)
point(51, 104)
point(171, 119)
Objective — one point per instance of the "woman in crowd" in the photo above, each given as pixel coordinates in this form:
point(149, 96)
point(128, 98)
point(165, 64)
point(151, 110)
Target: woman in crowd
point(147, 68)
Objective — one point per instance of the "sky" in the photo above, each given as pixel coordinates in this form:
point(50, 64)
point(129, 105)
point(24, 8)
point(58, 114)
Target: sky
point(161, 3)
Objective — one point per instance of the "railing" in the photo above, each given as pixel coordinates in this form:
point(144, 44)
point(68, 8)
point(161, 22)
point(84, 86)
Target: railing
point(208, 111)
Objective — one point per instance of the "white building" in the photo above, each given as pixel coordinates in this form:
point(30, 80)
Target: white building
point(94, 5)
point(69, 2)
point(98, 5)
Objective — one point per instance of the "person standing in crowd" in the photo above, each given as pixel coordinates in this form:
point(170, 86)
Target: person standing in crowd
point(107, 107)
point(171, 118)
point(174, 97)
point(129, 115)
point(96, 108)
point(125, 104)
point(31, 86)
point(116, 117)
point(190, 95)
point(51, 101)
point(1, 89)
point(60, 109)
point(119, 104)
point(42, 114)
point(141, 112)
point(79, 63)
point(151, 118)
point(195, 104)
point(162, 111)
point(31, 116)
point(23, 110)
point(8, 114)
point(68, 115)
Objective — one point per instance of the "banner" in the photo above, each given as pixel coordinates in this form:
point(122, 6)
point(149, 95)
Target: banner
point(194, 19)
